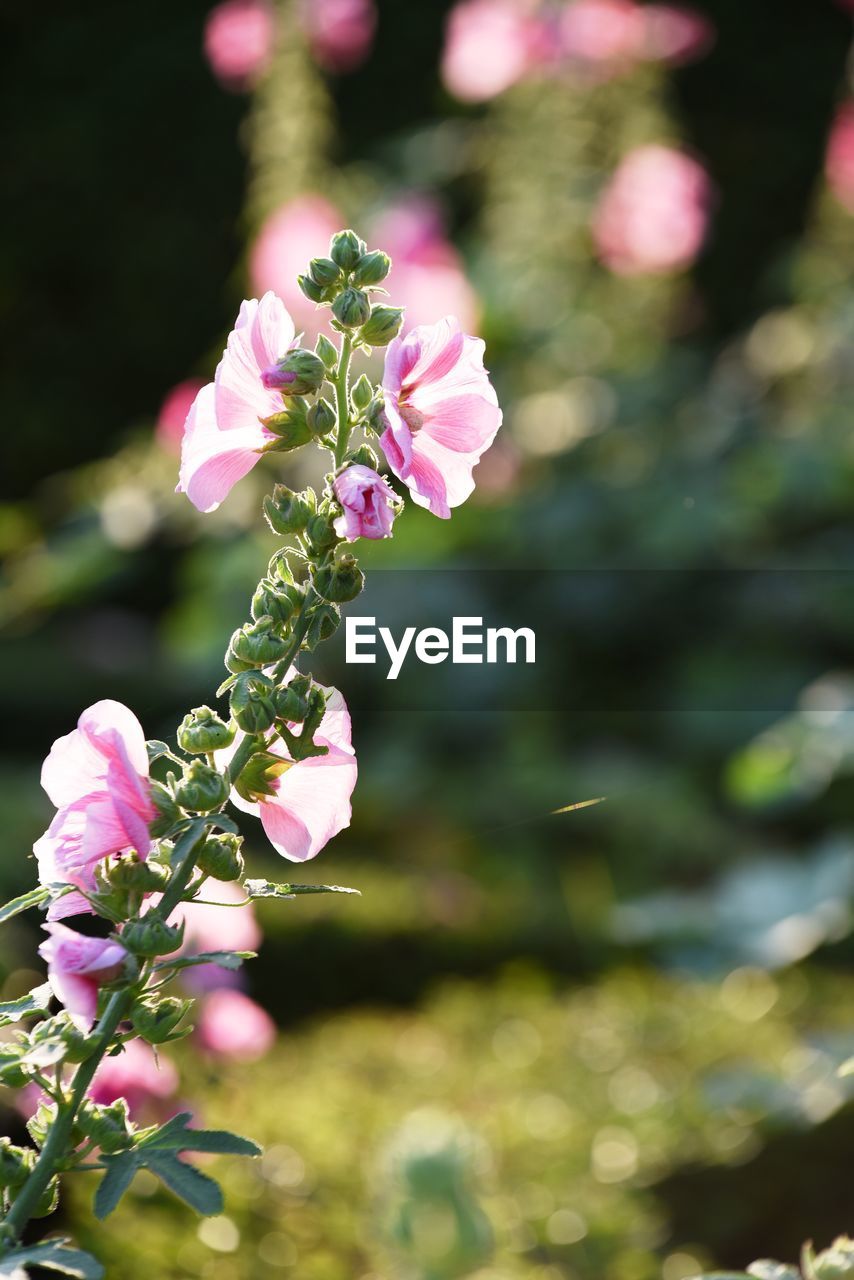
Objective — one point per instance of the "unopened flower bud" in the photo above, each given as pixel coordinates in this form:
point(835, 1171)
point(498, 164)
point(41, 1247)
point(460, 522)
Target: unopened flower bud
point(290, 428)
point(364, 456)
point(252, 703)
point(339, 582)
point(312, 291)
point(321, 533)
point(257, 777)
point(324, 622)
point(201, 789)
point(346, 248)
point(278, 601)
point(299, 373)
point(371, 268)
point(326, 351)
point(351, 308)
point(254, 645)
point(292, 702)
point(286, 511)
point(202, 730)
point(138, 877)
point(321, 418)
point(383, 324)
point(152, 937)
point(221, 858)
point(324, 271)
point(109, 1126)
point(15, 1164)
point(156, 1020)
point(361, 394)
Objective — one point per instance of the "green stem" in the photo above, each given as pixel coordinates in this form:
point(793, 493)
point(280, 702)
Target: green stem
point(55, 1150)
point(342, 399)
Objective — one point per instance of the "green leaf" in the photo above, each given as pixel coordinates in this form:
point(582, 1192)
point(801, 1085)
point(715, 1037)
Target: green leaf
point(768, 1269)
point(34, 898)
point(225, 960)
point(266, 889)
point(176, 1135)
point(55, 1255)
point(198, 1190)
point(156, 749)
point(115, 1182)
point(35, 1001)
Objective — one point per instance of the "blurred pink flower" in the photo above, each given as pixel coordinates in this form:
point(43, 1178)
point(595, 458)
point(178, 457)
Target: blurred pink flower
point(366, 500)
point(442, 413)
point(297, 232)
point(311, 800)
point(675, 35)
point(225, 432)
point(427, 277)
point(233, 1026)
point(340, 32)
point(839, 159)
point(173, 413)
point(136, 1075)
point(239, 39)
point(614, 34)
point(654, 212)
point(97, 775)
point(225, 927)
point(76, 967)
point(489, 46)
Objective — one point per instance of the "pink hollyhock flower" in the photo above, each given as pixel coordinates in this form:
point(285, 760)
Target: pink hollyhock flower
point(311, 800)
point(173, 413)
point(489, 46)
point(225, 432)
point(839, 159)
point(76, 967)
point(340, 32)
point(654, 213)
point(602, 31)
point(287, 241)
point(239, 39)
point(441, 411)
point(427, 276)
point(98, 777)
point(136, 1075)
point(233, 1026)
point(675, 35)
point(367, 501)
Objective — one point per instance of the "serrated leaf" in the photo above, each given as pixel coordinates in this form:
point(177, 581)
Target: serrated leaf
point(194, 1187)
point(224, 823)
point(55, 1255)
point(176, 1135)
point(115, 1182)
point(266, 889)
point(35, 1001)
point(224, 959)
point(33, 898)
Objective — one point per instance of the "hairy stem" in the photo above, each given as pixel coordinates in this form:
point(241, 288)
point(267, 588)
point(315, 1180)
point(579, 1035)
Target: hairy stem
point(342, 401)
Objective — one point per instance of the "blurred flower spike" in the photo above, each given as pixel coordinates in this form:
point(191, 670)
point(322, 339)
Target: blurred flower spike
point(239, 41)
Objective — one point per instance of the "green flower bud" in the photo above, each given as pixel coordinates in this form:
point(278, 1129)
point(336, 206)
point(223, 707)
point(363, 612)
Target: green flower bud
point(364, 456)
point(277, 601)
point(255, 645)
point(321, 533)
point(258, 775)
point(78, 1046)
point(312, 291)
point(168, 811)
point(48, 1200)
point(383, 324)
point(299, 373)
point(371, 268)
point(346, 249)
point(152, 937)
point(201, 731)
point(156, 1020)
point(290, 429)
point(110, 1127)
point(286, 511)
point(326, 352)
point(351, 308)
point(138, 877)
point(201, 789)
point(292, 702)
point(252, 704)
point(324, 271)
point(339, 582)
point(41, 1121)
point(324, 622)
point(221, 858)
point(321, 418)
point(15, 1164)
point(362, 394)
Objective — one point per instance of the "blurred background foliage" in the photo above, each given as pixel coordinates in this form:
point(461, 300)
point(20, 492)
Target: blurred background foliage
point(554, 1046)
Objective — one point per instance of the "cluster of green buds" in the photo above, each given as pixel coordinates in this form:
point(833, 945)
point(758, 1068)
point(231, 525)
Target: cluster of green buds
point(345, 282)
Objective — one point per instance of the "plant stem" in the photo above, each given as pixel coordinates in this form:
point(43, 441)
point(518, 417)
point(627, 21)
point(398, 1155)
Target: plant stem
point(342, 400)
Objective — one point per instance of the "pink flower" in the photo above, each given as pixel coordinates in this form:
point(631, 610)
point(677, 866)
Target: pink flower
point(339, 32)
point(839, 160)
point(675, 35)
point(427, 276)
point(311, 800)
point(367, 501)
point(603, 31)
point(489, 46)
point(653, 215)
point(98, 776)
point(234, 1026)
point(287, 241)
point(239, 39)
point(225, 431)
point(136, 1075)
point(442, 413)
point(173, 413)
point(77, 967)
